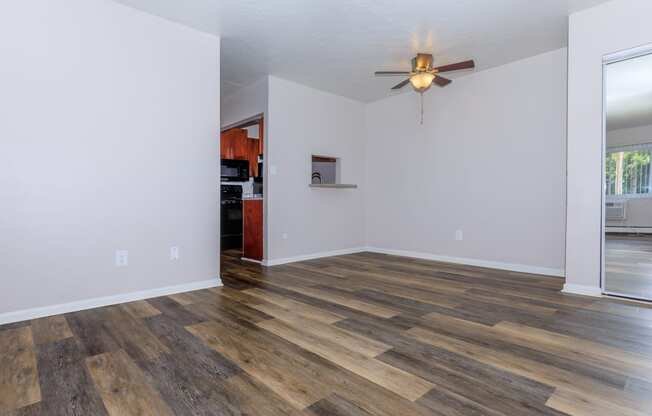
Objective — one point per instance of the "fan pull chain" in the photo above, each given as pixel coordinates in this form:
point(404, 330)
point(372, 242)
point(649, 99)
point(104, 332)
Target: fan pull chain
point(421, 108)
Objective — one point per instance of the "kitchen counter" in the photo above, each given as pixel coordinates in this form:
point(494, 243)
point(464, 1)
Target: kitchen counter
point(252, 197)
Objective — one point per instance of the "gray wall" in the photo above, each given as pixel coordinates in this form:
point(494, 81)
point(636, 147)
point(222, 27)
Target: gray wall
point(488, 160)
point(628, 27)
point(246, 102)
point(110, 122)
point(303, 122)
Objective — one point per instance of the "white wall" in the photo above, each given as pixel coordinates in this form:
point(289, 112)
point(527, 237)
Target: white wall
point(638, 213)
point(244, 103)
point(629, 136)
point(488, 160)
point(303, 121)
point(593, 33)
point(109, 140)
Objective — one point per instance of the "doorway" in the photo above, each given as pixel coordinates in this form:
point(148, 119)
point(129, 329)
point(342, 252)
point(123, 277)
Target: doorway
point(242, 190)
point(627, 175)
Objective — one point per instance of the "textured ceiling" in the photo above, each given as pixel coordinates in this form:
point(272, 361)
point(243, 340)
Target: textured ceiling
point(629, 93)
point(336, 45)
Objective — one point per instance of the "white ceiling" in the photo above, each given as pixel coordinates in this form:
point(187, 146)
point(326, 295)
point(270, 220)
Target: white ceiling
point(336, 45)
point(629, 93)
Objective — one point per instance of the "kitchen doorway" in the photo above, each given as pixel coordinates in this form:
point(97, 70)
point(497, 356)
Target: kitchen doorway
point(242, 190)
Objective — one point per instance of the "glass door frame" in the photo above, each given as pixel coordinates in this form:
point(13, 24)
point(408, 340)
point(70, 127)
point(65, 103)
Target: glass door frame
point(609, 59)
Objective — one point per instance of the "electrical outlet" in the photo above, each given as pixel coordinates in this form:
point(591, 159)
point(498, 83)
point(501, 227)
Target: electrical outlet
point(121, 258)
point(285, 236)
point(459, 235)
point(174, 253)
point(273, 170)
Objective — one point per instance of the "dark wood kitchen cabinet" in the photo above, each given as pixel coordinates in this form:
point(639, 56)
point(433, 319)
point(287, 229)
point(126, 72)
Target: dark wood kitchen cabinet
point(234, 144)
point(252, 239)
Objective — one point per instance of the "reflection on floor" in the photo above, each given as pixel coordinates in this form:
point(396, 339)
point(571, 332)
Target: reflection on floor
point(628, 263)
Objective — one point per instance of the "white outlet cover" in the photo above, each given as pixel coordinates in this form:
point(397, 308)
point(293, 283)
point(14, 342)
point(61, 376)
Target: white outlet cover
point(273, 170)
point(285, 236)
point(174, 253)
point(122, 258)
point(459, 235)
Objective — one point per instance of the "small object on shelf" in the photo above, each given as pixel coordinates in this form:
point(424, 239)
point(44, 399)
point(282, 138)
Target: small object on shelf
point(333, 185)
point(325, 169)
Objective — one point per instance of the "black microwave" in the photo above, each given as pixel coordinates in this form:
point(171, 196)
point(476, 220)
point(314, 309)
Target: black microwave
point(235, 170)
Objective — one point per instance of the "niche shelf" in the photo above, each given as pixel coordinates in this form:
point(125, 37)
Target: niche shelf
point(325, 173)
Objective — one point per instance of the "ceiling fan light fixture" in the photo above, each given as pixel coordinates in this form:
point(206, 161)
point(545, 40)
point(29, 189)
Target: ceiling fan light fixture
point(422, 81)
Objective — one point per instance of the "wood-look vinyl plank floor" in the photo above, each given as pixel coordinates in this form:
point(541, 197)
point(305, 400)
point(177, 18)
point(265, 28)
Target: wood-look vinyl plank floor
point(358, 335)
point(628, 265)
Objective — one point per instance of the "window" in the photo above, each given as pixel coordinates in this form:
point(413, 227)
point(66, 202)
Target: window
point(628, 171)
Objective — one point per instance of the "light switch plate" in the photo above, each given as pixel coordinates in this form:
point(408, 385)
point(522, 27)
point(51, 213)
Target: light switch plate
point(121, 258)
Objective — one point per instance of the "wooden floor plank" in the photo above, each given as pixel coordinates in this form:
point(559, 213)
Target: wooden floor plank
point(66, 385)
point(223, 305)
point(299, 308)
point(190, 353)
point(296, 381)
point(249, 397)
point(481, 335)
point(347, 301)
point(50, 329)
point(140, 309)
point(581, 387)
point(337, 406)
point(90, 332)
point(123, 387)
point(470, 383)
point(19, 385)
point(350, 340)
point(579, 349)
point(132, 334)
point(393, 379)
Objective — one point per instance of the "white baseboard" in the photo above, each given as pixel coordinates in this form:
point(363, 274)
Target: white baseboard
point(522, 268)
point(276, 262)
point(637, 230)
point(582, 290)
point(25, 314)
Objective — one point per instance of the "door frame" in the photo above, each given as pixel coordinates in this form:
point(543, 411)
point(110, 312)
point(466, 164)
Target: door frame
point(246, 122)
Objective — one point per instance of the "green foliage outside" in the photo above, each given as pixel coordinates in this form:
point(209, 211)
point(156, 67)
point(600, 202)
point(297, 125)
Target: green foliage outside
point(628, 173)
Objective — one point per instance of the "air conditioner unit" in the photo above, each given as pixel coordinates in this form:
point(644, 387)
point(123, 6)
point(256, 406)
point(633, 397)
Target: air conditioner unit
point(616, 210)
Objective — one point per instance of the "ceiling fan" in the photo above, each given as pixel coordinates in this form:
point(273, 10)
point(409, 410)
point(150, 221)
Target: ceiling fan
point(423, 75)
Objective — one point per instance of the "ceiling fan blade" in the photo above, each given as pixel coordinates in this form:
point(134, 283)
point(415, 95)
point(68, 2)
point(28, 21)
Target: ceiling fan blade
point(441, 81)
point(390, 73)
point(401, 84)
point(456, 67)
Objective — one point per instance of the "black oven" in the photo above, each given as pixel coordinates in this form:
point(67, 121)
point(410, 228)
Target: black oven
point(235, 170)
point(231, 217)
